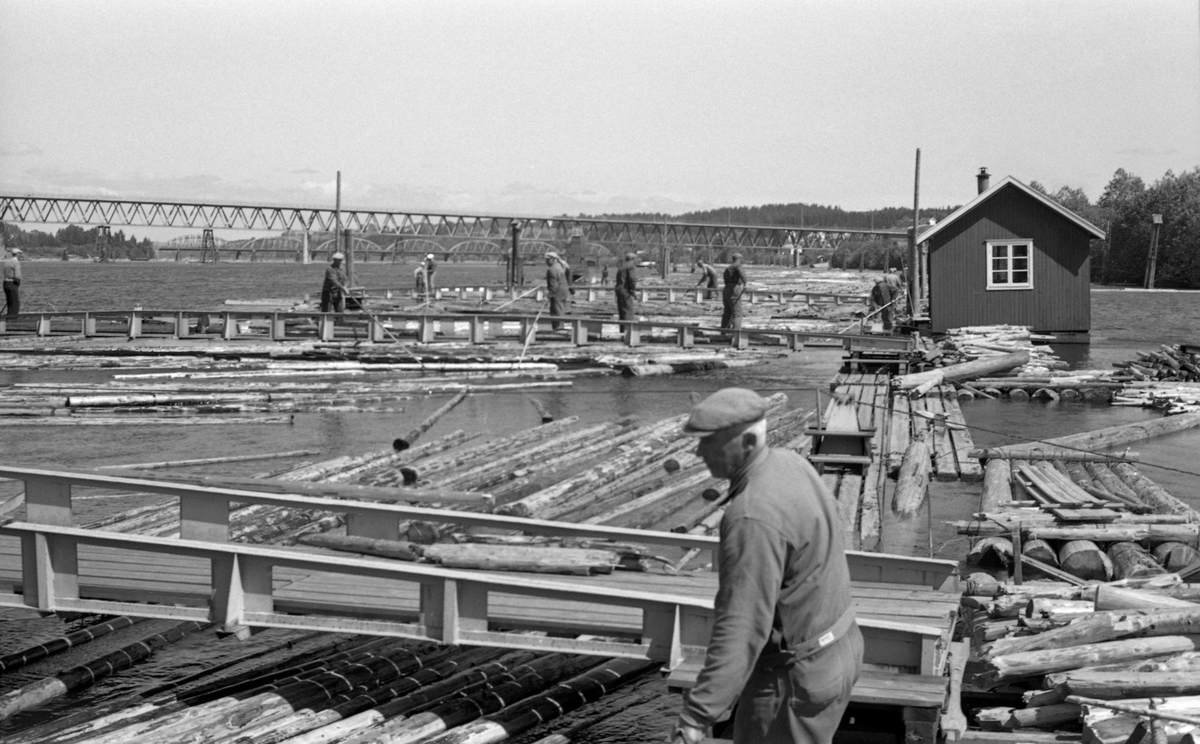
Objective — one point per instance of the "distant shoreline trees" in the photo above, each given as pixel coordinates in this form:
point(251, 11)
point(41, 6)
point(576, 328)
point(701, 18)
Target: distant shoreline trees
point(76, 241)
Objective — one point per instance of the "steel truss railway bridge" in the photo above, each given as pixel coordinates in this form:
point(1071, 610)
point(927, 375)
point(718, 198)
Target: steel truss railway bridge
point(310, 232)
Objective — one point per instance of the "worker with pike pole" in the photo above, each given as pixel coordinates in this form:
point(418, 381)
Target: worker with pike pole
point(785, 648)
point(731, 297)
point(558, 286)
point(626, 288)
point(333, 290)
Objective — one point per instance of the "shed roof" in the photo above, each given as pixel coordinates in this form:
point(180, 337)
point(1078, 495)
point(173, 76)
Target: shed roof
point(1010, 181)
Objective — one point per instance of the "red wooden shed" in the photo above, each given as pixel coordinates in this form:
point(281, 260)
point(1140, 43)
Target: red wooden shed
point(1011, 256)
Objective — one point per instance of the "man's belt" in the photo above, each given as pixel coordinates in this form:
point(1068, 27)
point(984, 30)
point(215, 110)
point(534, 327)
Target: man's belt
point(818, 642)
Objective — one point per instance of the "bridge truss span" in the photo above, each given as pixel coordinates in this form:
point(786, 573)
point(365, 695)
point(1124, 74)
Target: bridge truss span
point(411, 224)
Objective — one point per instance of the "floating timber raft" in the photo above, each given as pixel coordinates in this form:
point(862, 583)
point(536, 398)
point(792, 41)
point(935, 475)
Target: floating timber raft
point(641, 479)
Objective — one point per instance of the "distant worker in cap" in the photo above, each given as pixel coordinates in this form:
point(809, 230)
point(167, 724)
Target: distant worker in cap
point(12, 281)
point(333, 291)
point(785, 647)
point(425, 274)
point(558, 286)
point(626, 287)
point(883, 299)
point(731, 296)
point(708, 273)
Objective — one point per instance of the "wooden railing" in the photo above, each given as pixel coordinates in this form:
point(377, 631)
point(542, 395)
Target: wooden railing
point(594, 293)
point(422, 327)
point(453, 604)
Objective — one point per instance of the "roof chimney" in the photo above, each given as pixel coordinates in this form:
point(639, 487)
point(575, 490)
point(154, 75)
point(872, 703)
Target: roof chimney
point(984, 180)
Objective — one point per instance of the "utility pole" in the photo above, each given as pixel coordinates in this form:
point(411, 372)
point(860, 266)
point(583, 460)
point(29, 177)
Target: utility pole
point(515, 269)
point(915, 279)
point(337, 216)
point(1152, 263)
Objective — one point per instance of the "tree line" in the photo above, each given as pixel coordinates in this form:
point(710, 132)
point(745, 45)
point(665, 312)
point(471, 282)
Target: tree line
point(1125, 212)
point(74, 240)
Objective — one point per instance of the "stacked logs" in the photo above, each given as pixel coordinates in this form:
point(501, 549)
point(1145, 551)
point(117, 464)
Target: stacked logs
point(1079, 519)
point(1128, 647)
point(356, 689)
point(1169, 363)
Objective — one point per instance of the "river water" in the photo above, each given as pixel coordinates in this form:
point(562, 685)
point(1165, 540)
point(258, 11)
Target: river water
point(1124, 322)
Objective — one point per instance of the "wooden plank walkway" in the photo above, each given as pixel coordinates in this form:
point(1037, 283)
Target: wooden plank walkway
point(422, 327)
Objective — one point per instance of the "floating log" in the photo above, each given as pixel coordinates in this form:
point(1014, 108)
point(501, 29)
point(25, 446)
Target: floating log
point(1105, 626)
point(913, 480)
point(1083, 558)
point(1041, 551)
point(1051, 453)
point(1117, 436)
point(991, 550)
point(1131, 560)
point(1119, 532)
point(1151, 493)
point(563, 698)
point(543, 414)
point(211, 460)
point(320, 489)
point(18, 659)
point(1117, 685)
point(1046, 716)
point(1146, 711)
point(76, 678)
point(1176, 556)
point(395, 549)
point(997, 484)
point(922, 382)
point(1044, 661)
point(406, 441)
point(1118, 598)
point(575, 561)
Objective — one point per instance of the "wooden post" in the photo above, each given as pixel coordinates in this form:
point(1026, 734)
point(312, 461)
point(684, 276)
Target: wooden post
point(915, 280)
point(135, 324)
point(1018, 573)
point(1152, 259)
point(633, 334)
point(325, 327)
point(687, 337)
point(478, 330)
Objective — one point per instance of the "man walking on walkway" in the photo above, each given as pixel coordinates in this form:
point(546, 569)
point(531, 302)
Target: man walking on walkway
point(731, 298)
point(333, 291)
point(558, 286)
point(626, 287)
point(785, 647)
point(12, 281)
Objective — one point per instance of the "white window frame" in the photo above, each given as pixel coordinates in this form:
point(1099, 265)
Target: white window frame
point(1008, 270)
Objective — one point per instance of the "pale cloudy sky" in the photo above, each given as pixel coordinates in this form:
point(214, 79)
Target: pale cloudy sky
point(552, 106)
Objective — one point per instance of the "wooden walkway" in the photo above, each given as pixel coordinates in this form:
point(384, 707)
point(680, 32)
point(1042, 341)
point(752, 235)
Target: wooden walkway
point(907, 607)
point(418, 327)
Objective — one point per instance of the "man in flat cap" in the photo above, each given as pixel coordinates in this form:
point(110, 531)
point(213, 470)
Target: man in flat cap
point(785, 647)
point(558, 286)
point(731, 297)
point(626, 287)
point(12, 279)
point(333, 290)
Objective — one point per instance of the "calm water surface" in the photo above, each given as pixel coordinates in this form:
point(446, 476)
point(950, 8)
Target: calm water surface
point(1123, 323)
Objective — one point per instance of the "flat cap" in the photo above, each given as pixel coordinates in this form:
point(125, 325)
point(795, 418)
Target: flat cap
point(737, 255)
point(551, 254)
point(337, 257)
point(630, 255)
point(725, 408)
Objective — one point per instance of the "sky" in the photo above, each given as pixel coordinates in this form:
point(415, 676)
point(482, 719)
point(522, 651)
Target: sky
point(524, 107)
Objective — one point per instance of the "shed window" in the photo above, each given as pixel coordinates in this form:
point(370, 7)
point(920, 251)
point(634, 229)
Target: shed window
point(1010, 264)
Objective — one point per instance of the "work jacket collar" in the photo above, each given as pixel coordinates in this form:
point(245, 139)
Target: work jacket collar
point(737, 482)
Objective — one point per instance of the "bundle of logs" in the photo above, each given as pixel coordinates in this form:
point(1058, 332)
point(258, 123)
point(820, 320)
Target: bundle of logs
point(998, 361)
point(1118, 659)
point(1168, 380)
point(1091, 517)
